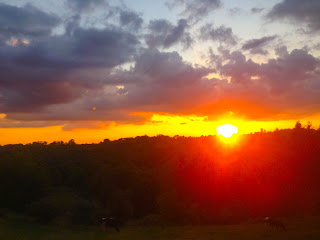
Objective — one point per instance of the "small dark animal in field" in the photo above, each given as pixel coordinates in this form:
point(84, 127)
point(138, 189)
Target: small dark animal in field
point(109, 222)
point(276, 224)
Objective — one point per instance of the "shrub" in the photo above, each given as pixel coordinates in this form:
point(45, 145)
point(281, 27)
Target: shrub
point(62, 203)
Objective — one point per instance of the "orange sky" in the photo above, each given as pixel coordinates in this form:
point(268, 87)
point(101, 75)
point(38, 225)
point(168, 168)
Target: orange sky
point(159, 124)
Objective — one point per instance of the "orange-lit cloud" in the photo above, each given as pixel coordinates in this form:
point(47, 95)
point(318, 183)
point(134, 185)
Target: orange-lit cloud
point(14, 42)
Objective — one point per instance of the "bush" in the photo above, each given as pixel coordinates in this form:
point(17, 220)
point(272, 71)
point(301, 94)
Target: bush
point(62, 204)
point(82, 212)
point(44, 210)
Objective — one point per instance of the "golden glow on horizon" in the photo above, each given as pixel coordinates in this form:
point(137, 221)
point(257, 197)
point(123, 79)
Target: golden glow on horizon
point(165, 124)
point(227, 130)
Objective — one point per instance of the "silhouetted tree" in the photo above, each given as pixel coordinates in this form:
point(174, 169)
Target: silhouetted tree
point(298, 125)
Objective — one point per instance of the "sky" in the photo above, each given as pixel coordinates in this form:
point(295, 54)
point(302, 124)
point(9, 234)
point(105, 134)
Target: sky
point(95, 69)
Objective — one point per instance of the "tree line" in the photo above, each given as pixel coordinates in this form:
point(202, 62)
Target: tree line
point(178, 180)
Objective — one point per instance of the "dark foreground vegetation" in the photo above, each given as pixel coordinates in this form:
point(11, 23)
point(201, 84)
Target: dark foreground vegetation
point(15, 228)
point(164, 180)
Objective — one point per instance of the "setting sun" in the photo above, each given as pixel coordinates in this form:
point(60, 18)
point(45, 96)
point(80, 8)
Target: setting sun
point(227, 130)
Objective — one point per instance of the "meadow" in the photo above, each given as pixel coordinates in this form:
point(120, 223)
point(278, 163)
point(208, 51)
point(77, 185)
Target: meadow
point(15, 228)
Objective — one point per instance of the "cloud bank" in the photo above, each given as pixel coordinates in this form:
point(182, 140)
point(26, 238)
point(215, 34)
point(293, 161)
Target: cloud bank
point(55, 69)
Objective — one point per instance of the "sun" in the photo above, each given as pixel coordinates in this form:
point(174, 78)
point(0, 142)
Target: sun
point(227, 130)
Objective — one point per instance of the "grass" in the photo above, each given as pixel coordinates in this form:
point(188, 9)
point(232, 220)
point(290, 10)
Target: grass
point(15, 228)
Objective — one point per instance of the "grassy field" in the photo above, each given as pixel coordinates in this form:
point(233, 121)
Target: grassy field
point(19, 229)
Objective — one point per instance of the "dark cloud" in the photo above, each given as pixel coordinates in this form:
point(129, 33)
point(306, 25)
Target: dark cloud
point(107, 47)
point(27, 21)
point(258, 42)
point(256, 10)
point(164, 34)
point(131, 19)
point(167, 68)
point(179, 86)
point(195, 10)
point(238, 68)
point(297, 11)
point(256, 45)
point(289, 70)
point(85, 5)
point(221, 34)
point(91, 47)
point(176, 83)
point(43, 72)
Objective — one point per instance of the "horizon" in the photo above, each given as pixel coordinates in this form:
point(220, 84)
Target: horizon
point(232, 140)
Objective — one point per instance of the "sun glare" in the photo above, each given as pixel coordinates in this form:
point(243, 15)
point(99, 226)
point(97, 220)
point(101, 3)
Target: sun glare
point(227, 130)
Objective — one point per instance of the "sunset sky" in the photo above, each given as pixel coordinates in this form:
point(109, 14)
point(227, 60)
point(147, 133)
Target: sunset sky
point(95, 69)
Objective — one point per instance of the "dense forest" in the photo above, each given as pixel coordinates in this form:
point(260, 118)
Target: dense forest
point(178, 180)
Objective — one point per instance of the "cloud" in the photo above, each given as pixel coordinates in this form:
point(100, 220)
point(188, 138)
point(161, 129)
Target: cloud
point(10, 123)
point(256, 10)
point(122, 16)
point(85, 5)
point(256, 45)
point(27, 21)
point(289, 70)
point(44, 72)
point(167, 69)
point(316, 46)
point(72, 23)
point(131, 19)
point(238, 68)
point(108, 47)
point(221, 34)
point(195, 10)
point(90, 47)
point(259, 51)
point(164, 82)
point(236, 11)
point(287, 84)
point(298, 12)
point(176, 81)
point(105, 73)
point(163, 34)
